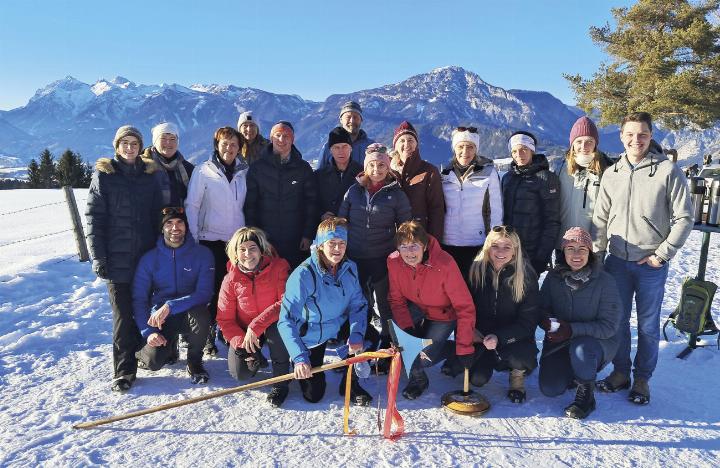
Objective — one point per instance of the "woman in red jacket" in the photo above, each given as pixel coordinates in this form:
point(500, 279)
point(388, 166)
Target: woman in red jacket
point(429, 298)
point(249, 307)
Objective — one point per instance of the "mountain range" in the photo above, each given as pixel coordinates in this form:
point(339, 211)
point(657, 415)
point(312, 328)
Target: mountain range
point(83, 117)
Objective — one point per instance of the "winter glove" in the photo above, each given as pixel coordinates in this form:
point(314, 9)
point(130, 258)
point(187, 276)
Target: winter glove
point(99, 268)
point(236, 342)
point(545, 324)
point(466, 360)
point(563, 333)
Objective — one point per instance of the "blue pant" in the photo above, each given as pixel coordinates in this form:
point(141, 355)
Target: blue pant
point(438, 332)
point(647, 284)
point(580, 360)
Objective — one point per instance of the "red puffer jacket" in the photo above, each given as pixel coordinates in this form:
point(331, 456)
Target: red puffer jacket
point(437, 287)
point(251, 299)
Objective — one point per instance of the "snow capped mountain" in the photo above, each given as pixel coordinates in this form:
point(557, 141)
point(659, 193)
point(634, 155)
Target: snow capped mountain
point(71, 114)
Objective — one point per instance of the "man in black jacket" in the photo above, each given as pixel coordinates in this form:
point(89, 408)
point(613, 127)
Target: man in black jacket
point(335, 179)
point(281, 196)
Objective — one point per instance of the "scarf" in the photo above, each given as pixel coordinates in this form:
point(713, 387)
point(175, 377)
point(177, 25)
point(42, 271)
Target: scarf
point(575, 279)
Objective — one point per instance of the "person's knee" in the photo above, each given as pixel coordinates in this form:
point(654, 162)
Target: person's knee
point(154, 358)
point(199, 318)
point(478, 379)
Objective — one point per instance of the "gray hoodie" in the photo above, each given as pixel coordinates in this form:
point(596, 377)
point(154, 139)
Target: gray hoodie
point(643, 210)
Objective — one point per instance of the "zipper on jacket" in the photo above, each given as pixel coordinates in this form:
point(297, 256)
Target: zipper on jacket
point(652, 226)
point(587, 181)
point(627, 214)
point(175, 271)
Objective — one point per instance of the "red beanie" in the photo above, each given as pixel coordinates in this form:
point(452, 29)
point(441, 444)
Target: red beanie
point(584, 127)
point(579, 235)
point(404, 128)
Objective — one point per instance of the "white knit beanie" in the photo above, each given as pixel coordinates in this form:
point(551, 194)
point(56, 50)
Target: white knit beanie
point(247, 117)
point(459, 137)
point(165, 127)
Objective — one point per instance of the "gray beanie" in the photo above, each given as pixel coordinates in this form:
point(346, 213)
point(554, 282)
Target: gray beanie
point(127, 130)
point(351, 106)
point(247, 117)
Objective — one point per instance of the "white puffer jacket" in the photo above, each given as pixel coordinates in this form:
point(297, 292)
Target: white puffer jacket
point(466, 222)
point(213, 205)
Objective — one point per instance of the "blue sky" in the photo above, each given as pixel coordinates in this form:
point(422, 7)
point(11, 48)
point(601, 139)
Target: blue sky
point(309, 48)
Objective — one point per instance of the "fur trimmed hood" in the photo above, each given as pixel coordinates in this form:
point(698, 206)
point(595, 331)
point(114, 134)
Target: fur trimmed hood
point(106, 165)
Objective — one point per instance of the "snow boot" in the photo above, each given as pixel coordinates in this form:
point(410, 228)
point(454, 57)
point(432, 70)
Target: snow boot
point(211, 348)
point(517, 386)
point(415, 387)
point(614, 382)
point(358, 395)
point(640, 392)
point(122, 384)
point(584, 403)
point(198, 374)
point(277, 395)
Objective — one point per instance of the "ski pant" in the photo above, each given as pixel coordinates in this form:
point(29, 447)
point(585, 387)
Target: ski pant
point(373, 275)
point(313, 389)
point(647, 284)
point(581, 360)
point(218, 250)
point(193, 324)
point(521, 355)
point(238, 365)
point(463, 256)
point(126, 335)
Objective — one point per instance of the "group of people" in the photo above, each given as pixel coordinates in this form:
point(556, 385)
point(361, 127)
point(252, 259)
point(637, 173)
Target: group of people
point(257, 247)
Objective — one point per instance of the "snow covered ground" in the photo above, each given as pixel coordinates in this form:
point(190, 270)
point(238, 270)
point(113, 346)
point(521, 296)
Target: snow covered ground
point(55, 367)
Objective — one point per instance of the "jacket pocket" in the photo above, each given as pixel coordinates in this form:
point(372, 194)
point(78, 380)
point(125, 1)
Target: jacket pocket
point(652, 226)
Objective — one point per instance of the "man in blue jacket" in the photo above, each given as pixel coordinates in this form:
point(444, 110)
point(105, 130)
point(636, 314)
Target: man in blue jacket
point(171, 290)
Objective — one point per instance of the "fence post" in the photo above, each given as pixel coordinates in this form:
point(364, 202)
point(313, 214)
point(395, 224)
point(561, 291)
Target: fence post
point(77, 224)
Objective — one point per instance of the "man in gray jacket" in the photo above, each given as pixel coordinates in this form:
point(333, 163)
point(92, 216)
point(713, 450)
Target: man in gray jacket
point(643, 215)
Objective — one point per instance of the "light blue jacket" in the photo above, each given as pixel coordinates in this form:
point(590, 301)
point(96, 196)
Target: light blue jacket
point(317, 303)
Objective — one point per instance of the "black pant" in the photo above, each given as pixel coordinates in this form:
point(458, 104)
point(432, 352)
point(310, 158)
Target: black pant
point(521, 355)
point(193, 324)
point(313, 389)
point(581, 360)
point(126, 336)
point(373, 276)
point(238, 366)
point(463, 256)
point(218, 250)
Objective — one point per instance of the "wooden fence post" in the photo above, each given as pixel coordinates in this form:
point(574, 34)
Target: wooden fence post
point(77, 224)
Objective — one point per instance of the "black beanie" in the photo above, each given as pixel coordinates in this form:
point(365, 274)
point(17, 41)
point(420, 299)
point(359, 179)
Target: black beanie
point(172, 213)
point(339, 135)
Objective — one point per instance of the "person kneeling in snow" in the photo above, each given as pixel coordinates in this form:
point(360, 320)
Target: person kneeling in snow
point(249, 308)
point(171, 291)
point(320, 296)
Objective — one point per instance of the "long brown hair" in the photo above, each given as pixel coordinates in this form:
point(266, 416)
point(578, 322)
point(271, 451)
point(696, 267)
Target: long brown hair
point(596, 166)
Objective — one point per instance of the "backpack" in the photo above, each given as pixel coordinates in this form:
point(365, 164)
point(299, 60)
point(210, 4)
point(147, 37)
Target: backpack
point(691, 314)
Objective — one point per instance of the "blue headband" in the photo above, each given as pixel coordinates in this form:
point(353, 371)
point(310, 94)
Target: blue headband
point(340, 232)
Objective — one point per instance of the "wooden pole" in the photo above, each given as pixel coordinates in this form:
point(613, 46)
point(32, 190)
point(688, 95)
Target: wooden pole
point(218, 393)
point(77, 224)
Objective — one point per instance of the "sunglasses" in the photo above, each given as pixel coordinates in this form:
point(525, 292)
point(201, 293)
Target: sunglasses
point(376, 148)
point(467, 129)
point(171, 210)
point(506, 229)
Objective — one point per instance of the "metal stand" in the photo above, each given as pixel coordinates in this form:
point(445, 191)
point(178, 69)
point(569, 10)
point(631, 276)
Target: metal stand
point(711, 329)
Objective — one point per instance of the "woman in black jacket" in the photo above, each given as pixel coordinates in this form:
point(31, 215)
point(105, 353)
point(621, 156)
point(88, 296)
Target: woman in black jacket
point(531, 200)
point(580, 306)
point(505, 293)
point(123, 214)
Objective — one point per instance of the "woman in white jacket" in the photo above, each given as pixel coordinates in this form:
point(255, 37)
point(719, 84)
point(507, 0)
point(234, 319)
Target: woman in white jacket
point(473, 202)
point(214, 207)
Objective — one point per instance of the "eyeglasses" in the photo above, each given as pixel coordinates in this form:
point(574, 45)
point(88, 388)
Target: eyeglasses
point(171, 210)
point(467, 129)
point(376, 148)
point(410, 247)
point(507, 229)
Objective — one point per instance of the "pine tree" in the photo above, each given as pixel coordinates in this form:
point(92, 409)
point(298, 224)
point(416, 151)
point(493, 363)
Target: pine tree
point(47, 170)
point(34, 179)
point(665, 60)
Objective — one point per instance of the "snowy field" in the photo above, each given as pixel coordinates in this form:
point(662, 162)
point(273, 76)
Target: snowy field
point(55, 369)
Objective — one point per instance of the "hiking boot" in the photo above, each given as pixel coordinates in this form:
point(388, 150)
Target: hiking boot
point(211, 349)
point(358, 395)
point(277, 395)
point(614, 382)
point(584, 403)
point(517, 386)
point(415, 387)
point(198, 374)
point(640, 392)
point(122, 384)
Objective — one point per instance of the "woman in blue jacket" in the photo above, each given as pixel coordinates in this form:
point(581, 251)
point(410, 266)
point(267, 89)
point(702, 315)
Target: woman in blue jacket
point(320, 296)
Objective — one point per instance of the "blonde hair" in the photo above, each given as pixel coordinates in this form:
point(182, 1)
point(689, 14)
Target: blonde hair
point(481, 263)
point(597, 165)
point(247, 234)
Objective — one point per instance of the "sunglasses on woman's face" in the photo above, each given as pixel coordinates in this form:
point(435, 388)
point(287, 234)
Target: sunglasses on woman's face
point(467, 129)
point(506, 229)
point(171, 210)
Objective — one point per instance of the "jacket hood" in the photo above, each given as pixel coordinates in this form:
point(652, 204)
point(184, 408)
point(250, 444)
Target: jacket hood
point(653, 158)
point(109, 165)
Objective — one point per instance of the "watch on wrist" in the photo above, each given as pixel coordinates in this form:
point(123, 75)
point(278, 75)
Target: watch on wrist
point(661, 260)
